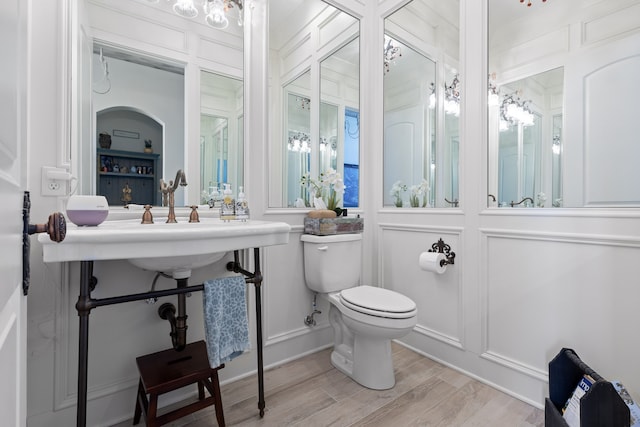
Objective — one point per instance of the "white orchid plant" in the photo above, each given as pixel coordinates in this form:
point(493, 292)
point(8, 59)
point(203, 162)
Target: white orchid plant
point(396, 191)
point(327, 190)
point(419, 192)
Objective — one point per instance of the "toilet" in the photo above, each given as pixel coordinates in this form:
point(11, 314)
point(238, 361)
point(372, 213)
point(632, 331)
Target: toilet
point(364, 318)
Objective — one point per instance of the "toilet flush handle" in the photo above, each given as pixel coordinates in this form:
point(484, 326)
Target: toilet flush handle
point(323, 248)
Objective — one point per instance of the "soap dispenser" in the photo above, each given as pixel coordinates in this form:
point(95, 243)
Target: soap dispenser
point(228, 206)
point(242, 207)
point(214, 196)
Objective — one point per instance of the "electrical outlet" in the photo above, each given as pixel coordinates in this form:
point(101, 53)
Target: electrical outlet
point(50, 186)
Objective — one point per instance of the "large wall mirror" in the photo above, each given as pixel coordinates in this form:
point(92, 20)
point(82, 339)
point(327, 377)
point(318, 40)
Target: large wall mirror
point(561, 80)
point(421, 105)
point(142, 87)
point(314, 77)
point(221, 135)
point(139, 130)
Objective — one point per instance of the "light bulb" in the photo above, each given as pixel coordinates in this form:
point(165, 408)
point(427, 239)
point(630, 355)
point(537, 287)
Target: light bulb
point(432, 101)
point(493, 99)
point(215, 14)
point(185, 8)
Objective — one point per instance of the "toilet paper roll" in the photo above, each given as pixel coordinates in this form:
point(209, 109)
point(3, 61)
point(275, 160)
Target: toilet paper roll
point(430, 261)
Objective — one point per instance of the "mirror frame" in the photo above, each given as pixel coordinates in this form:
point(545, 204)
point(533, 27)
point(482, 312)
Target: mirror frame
point(438, 185)
point(597, 67)
point(296, 65)
point(144, 18)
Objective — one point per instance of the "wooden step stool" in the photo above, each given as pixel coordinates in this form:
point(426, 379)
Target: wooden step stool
point(170, 370)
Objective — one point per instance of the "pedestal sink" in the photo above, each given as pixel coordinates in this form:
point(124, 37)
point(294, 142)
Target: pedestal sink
point(159, 246)
point(179, 267)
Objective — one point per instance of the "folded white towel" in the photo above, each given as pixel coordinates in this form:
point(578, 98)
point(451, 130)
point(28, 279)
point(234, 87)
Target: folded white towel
point(225, 319)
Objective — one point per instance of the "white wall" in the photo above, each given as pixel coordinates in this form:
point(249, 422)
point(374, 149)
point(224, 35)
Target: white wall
point(525, 283)
point(519, 290)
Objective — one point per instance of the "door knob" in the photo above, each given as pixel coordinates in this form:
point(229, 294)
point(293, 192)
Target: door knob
point(56, 228)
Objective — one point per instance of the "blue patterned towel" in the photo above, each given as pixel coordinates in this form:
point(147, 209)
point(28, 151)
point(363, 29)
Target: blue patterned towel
point(225, 319)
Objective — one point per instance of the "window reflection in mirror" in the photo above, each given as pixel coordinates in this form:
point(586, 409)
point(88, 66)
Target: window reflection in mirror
point(569, 82)
point(314, 83)
point(339, 137)
point(556, 165)
point(421, 105)
point(527, 121)
point(328, 155)
point(298, 144)
point(221, 142)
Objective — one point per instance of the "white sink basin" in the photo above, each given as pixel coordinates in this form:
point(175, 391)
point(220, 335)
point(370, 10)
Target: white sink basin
point(178, 266)
point(170, 248)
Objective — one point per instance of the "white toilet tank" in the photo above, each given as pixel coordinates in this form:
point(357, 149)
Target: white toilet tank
point(332, 263)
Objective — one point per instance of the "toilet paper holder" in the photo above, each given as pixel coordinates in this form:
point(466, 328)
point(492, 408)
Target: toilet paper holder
point(441, 247)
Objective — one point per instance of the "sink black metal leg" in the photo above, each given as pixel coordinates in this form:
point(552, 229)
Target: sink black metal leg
point(258, 285)
point(83, 306)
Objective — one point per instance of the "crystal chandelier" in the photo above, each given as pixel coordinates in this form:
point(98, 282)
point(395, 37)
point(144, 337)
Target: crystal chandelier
point(529, 2)
point(328, 145)
point(299, 142)
point(493, 97)
point(451, 96)
point(514, 111)
point(303, 102)
point(215, 11)
point(391, 52)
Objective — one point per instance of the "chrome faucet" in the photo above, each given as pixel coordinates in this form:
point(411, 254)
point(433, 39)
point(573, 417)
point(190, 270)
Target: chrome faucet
point(521, 201)
point(168, 193)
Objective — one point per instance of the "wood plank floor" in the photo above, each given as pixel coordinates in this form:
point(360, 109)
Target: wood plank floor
point(310, 392)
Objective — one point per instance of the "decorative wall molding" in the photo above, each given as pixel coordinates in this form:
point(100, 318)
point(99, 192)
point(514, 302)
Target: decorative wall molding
point(294, 333)
point(618, 23)
point(65, 391)
point(446, 339)
point(63, 397)
point(580, 238)
point(295, 58)
point(541, 294)
point(452, 277)
point(121, 25)
point(220, 53)
point(535, 373)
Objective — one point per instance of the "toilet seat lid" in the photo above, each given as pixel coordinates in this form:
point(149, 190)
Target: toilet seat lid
point(378, 302)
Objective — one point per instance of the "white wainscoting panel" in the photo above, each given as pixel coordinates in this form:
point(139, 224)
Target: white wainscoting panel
point(287, 300)
point(612, 148)
point(546, 291)
point(222, 54)
point(138, 28)
point(438, 296)
point(611, 25)
point(333, 27)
